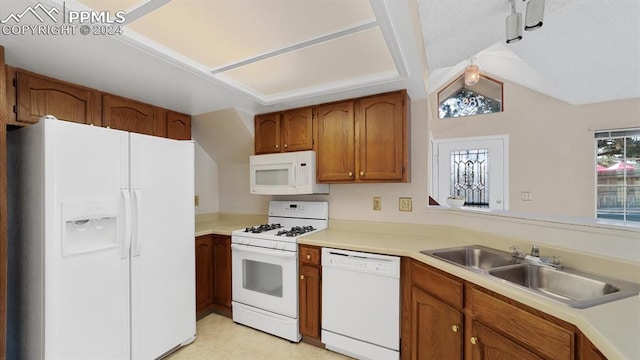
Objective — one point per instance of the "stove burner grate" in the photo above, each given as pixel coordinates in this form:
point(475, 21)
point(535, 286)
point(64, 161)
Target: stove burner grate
point(295, 231)
point(262, 228)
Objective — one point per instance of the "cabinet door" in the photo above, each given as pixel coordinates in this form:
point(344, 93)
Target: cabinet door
point(309, 300)
point(178, 126)
point(381, 137)
point(543, 334)
point(297, 129)
point(588, 351)
point(126, 114)
point(204, 273)
point(436, 328)
point(336, 136)
point(37, 96)
point(485, 344)
point(222, 272)
point(267, 128)
point(160, 122)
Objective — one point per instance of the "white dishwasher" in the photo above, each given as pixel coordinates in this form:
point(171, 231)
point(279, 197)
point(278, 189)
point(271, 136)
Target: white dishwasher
point(361, 304)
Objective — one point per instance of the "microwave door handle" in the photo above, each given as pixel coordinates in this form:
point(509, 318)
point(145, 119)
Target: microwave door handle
point(295, 174)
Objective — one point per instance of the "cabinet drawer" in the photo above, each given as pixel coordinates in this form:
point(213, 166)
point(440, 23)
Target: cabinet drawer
point(309, 255)
point(446, 287)
point(548, 339)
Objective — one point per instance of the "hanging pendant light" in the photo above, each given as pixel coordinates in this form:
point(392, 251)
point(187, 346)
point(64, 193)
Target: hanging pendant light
point(514, 24)
point(534, 15)
point(471, 73)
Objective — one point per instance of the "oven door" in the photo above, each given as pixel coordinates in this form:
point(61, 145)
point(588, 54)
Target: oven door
point(265, 278)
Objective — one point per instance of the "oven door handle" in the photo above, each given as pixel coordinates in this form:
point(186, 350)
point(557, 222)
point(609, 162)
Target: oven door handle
point(263, 251)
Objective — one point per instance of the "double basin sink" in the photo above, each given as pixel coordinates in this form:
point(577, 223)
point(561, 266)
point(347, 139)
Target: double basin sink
point(569, 286)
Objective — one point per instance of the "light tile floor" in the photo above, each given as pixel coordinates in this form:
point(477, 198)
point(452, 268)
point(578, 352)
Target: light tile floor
point(218, 337)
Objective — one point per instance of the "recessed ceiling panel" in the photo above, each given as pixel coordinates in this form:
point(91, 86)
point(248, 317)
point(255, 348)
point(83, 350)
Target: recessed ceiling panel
point(222, 32)
point(356, 58)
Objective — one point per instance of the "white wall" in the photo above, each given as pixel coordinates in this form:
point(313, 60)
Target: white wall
point(206, 182)
point(551, 146)
point(234, 191)
point(551, 154)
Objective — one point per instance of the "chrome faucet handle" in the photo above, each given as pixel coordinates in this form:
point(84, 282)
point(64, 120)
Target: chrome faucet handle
point(556, 261)
point(535, 251)
point(515, 251)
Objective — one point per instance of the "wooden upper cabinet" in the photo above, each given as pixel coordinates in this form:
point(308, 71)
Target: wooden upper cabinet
point(178, 126)
point(37, 96)
point(291, 130)
point(336, 139)
point(126, 114)
point(267, 129)
point(381, 123)
point(297, 130)
point(364, 140)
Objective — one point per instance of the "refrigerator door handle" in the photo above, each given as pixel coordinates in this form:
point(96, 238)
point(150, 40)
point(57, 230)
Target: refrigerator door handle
point(126, 238)
point(137, 195)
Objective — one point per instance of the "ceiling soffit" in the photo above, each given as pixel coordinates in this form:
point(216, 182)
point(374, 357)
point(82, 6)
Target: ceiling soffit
point(273, 51)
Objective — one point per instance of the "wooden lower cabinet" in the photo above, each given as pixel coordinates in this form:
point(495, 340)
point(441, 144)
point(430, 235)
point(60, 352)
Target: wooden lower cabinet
point(436, 324)
point(309, 292)
point(443, 323)
point(222, 273)
point(204, 274)
point(432, 325)
point(588, 351)
point(488, 344)
point(213, 275)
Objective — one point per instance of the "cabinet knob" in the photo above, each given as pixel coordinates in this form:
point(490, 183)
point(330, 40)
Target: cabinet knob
point(277, 146)
point(474, 340)
point(350, 173)
point(361, 173)
point(301, 277)
point(286, 146)
point(308, 257)
point(455, 328)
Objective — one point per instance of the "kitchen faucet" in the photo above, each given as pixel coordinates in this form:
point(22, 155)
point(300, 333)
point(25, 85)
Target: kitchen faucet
point(535, 257)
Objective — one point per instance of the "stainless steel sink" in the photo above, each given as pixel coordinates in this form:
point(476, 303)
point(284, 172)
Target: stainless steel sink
point(575, 288)
point(475, 257)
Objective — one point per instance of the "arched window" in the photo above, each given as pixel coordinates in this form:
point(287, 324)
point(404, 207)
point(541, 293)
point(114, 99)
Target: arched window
point(458, 99)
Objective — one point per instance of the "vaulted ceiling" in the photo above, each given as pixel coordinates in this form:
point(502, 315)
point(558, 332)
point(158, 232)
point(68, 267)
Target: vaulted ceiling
point(198, 56)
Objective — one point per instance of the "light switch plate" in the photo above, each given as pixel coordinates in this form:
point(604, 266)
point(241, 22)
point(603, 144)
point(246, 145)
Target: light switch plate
point(405, 204)
point(377, 203)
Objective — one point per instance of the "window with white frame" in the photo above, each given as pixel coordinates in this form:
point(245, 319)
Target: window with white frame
point(473, 168)
point(618, 174)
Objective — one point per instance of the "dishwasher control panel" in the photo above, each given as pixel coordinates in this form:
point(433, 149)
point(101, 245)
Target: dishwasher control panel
point(384, 265)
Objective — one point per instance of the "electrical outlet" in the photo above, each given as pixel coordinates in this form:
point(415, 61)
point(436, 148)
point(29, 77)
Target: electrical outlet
point(377, 203)
point(405, 204)
point(197, 200)
point(526, 196)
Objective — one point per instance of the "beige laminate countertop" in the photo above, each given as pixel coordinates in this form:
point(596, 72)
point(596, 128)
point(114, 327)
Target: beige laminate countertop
point(224, 224)
point(614, 328)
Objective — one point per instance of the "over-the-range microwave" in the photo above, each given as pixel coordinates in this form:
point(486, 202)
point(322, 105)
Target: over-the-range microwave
point(290, 173)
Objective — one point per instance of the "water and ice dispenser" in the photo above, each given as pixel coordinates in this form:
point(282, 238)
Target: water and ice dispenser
point(88, 226)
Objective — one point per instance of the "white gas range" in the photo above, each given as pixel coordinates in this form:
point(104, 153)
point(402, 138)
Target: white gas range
point(265, 266)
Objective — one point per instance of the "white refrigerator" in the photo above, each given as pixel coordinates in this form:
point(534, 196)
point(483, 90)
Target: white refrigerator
point(101, 243)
